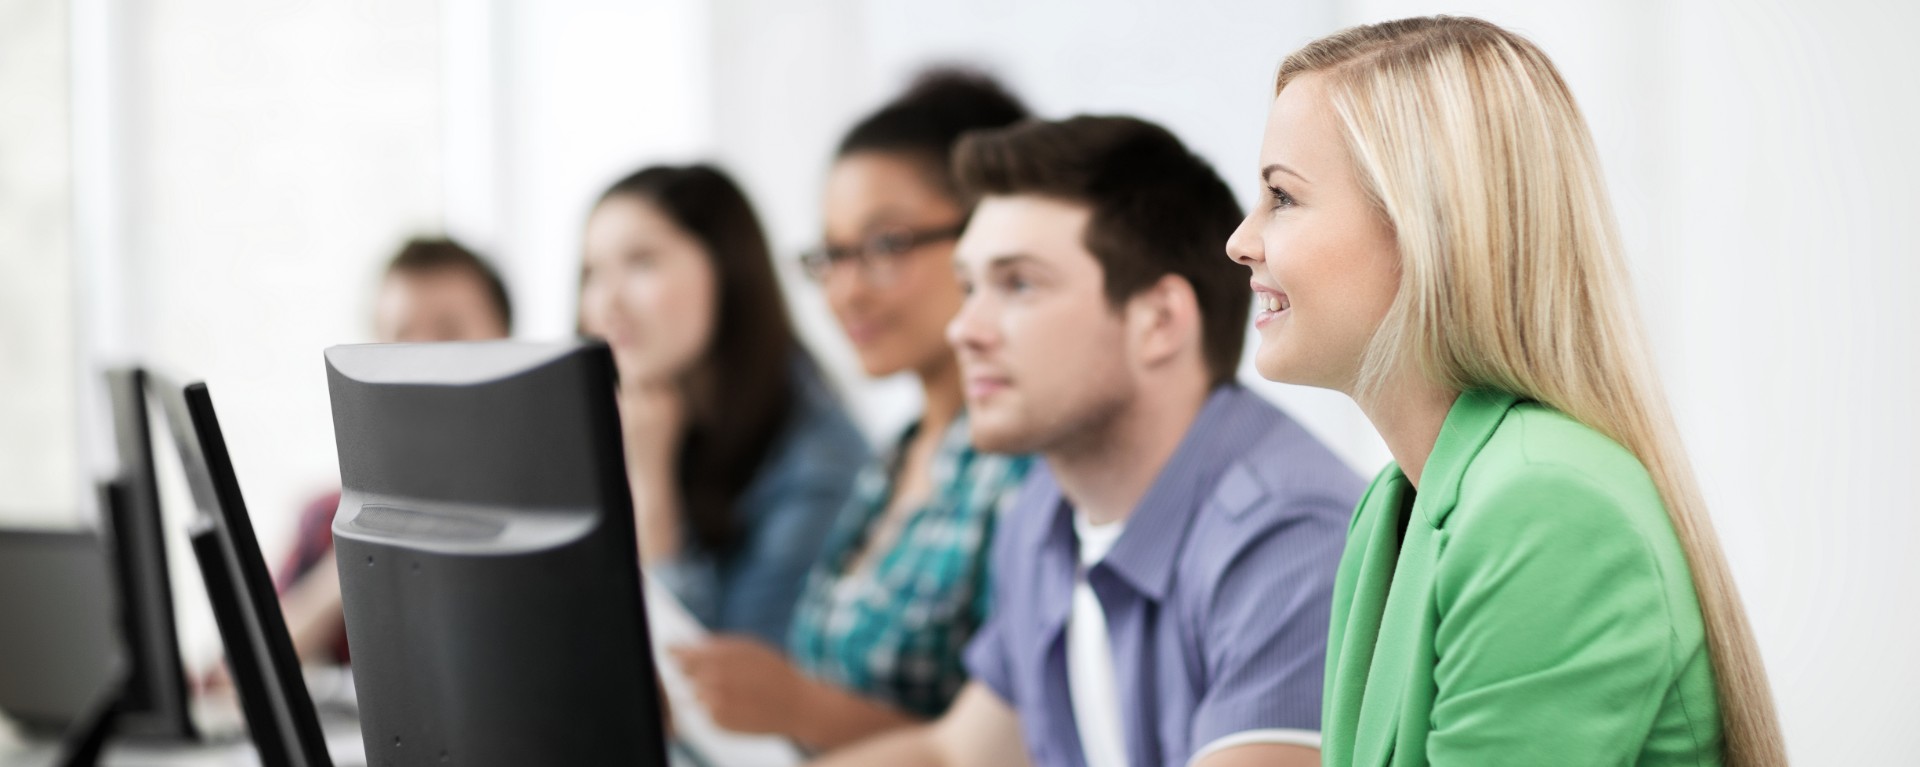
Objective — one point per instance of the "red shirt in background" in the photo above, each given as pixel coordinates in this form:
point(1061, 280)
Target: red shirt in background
point(312, 541)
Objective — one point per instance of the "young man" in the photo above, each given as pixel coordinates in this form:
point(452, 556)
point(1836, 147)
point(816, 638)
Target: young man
point(1161, 587)
point(438, 290)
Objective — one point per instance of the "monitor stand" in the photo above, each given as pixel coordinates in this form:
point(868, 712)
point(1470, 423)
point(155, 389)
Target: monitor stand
point(81, 746)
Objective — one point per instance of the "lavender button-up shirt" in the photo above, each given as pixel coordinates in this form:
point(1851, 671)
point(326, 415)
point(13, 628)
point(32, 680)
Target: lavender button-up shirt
point(1216, 596)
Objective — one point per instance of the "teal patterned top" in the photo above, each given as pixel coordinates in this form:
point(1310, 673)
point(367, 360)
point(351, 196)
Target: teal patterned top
point(893, 628)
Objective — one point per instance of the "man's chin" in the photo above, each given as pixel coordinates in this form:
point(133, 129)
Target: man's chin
point(993, 434)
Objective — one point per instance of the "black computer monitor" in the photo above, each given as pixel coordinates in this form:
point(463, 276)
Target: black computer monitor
point(273, 695)
point(58, 639)
point(487, 561)
point(155, 700)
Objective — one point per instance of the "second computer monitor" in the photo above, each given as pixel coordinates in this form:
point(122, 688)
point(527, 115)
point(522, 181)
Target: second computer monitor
point(155, 700)
point(273, 695)
point(487, 561)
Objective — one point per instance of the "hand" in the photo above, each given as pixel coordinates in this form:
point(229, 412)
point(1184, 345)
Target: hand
point(745, 685)
point(217, 681)
point(652, 420)
point(653, 417)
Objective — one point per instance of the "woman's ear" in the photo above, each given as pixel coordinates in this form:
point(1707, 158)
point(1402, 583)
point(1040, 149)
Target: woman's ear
point(1163, 322)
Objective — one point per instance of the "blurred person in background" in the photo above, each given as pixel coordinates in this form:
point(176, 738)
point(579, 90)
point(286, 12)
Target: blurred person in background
point(738, 452)
point(903, 583)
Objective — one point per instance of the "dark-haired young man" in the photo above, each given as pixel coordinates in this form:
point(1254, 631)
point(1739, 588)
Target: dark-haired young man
point(1162, 586)
point(438, 290)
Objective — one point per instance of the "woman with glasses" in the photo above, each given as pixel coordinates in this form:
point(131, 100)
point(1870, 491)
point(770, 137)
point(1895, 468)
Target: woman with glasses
point(902, 584)
point(738, 454)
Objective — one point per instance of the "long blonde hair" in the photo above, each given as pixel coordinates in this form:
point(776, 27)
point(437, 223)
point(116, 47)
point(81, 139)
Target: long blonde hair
point(1512, 278)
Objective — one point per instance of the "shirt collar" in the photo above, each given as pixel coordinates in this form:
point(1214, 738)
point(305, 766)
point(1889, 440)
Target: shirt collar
point(954, 450)
point(1470, 423)
point(1232, 421)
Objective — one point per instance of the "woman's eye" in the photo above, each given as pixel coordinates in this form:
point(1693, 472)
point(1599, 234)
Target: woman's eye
point(1279, 197)
point(888, 245)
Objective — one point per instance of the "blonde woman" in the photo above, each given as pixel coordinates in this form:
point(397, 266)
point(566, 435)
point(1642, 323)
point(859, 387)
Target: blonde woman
point(1534, 580)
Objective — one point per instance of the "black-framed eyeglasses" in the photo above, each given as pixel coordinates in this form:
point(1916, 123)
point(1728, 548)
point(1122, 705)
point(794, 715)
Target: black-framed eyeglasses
point(875, 256)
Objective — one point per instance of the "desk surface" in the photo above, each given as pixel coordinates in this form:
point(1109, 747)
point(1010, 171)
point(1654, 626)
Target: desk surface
point(342, 733)
point(333, 696)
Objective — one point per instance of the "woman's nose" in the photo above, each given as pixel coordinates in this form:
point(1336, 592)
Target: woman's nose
point(1244, 245)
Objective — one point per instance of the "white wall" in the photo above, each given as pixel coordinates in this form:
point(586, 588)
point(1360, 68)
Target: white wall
point(285, 150)
point(268, 157)
point(38, 463)
point(1791, 174)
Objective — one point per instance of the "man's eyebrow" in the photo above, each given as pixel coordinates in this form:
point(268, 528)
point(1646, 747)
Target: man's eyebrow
point(1268, 171)
point(1009, 259)
point(1003, 260)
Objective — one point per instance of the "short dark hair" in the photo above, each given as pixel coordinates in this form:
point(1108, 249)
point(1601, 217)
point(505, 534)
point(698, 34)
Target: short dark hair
point(742, 385)
point(924, 122)
point(1158, 209)
point(433, 254)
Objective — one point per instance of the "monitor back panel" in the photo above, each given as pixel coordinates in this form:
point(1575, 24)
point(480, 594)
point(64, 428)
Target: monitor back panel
point(487, 560)
point(58, 638)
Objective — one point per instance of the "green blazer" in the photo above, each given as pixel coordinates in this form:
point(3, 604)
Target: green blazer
point(1538, 612)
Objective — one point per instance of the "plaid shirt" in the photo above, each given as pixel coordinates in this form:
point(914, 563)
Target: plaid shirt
point(894, 630)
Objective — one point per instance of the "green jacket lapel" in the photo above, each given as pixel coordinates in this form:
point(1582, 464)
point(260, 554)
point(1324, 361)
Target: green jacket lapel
point(1398, 655)
point(1395, 649)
